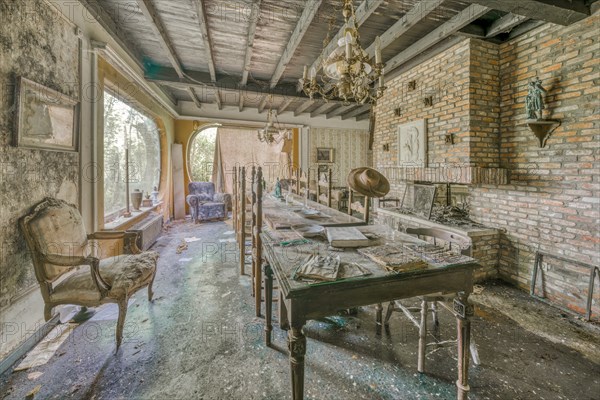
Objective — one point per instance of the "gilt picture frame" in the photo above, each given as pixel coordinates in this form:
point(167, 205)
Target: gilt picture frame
point(45, 119)
point(412, 144)
point(324, 155)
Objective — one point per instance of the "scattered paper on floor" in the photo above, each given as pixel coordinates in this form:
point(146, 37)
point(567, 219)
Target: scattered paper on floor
point(47, 347)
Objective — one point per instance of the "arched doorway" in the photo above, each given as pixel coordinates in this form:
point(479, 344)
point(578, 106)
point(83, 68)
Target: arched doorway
point(201, 154)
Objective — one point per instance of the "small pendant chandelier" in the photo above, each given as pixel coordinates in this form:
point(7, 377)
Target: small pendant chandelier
point(348, 70)
point(273, 133)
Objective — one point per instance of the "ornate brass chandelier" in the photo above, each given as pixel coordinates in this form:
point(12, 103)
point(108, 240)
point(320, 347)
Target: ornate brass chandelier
point(349, 72)
point(273, 133)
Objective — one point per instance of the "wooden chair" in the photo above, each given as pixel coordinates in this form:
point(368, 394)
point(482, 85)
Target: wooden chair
point(324, 189)
point(430, 303)
point(257, 223)
point(363, 208)
point(68, 273)
point(235, 200)
point(304, 180)
point(241, 219)
point(295, 180)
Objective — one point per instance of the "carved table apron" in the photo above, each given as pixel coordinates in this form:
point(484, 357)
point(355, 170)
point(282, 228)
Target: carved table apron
point(300, 301)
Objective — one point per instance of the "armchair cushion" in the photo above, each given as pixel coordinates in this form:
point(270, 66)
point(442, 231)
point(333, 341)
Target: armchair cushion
point(125, 274)
point(203, 197)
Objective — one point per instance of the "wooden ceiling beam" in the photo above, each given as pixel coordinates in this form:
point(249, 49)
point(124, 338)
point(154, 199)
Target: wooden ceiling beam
point(303, 107)
point(263, 103)
point(561, 12)
point(194, 97)
point(202, 81)
point(161, 34)
point(208, 47)
point(285, 105)
point(412, 17)
point(357, 110)
point(210, 59)
point(339, 111)
point(323, 109)
point(415, 15)
point(450, 27)
point(364, 116)
point(505, 24)
point(363, 12)
point(254, 16)
point(310, 10)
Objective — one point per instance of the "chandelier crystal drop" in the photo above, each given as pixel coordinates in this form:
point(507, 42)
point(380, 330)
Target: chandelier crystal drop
point(348, 71)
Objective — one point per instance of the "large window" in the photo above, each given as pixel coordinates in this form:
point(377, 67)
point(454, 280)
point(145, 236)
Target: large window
point(201, 154)
point(126, 127)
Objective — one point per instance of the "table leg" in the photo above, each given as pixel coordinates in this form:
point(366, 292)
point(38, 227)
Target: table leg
point(297, 348)
point(268, 303)
point(464, 311)
point(379, 314)
point(422, 338)
point(284, 323)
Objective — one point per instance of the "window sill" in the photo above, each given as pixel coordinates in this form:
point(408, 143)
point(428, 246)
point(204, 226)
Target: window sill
point(122, 223)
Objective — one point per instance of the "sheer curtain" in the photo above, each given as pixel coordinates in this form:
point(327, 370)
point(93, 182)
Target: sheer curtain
point(241, 147)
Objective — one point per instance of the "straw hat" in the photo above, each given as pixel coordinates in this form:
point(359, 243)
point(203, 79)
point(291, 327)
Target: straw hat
point(368, 182)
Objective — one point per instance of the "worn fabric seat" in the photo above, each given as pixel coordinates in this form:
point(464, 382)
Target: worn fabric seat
point(124, 274)
point(205, 204)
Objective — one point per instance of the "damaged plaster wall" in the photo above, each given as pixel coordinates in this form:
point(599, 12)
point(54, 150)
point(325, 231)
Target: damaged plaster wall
point(35, 42)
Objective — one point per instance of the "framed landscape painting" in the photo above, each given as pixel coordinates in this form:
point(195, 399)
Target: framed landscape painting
point(324, 155)
point(46, 119)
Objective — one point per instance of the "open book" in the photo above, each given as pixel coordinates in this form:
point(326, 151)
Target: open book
point(346, 237)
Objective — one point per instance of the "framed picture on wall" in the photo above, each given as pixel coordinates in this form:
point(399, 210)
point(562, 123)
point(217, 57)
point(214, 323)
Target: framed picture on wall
point(46, 119)
point(324, 155)
point(412, 144)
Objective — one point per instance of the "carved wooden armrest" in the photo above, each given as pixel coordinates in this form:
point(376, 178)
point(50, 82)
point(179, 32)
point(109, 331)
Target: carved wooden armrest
point(129, 238)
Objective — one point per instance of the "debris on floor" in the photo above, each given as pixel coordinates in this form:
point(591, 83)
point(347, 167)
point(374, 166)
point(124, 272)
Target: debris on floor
point(47, 347)
point(182, 247)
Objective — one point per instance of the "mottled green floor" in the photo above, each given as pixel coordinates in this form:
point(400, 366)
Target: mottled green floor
point(200, 340)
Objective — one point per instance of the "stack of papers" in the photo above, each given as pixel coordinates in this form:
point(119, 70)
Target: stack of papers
point(326, 269)
point(394, 258)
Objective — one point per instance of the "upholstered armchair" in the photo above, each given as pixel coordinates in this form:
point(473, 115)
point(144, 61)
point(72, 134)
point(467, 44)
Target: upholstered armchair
point(61, 250)
point(205, 204)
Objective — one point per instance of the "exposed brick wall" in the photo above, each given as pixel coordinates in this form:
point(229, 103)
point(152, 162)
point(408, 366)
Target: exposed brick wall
point(552, 201)
point(446, 78)
point(484, 104)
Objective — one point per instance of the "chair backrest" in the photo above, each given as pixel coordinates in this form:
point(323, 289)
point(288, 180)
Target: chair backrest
point(54, 227)
point(202, 188)
point(324, 188)
point(463, 242)
point(242, 217)
point(234, 203)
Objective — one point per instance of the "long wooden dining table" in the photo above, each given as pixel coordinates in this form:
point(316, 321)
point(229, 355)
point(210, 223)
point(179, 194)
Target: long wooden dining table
point(300, 301)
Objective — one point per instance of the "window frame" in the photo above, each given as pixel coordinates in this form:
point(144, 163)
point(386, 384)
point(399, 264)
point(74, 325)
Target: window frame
point(190, 143)
point(114, 90)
